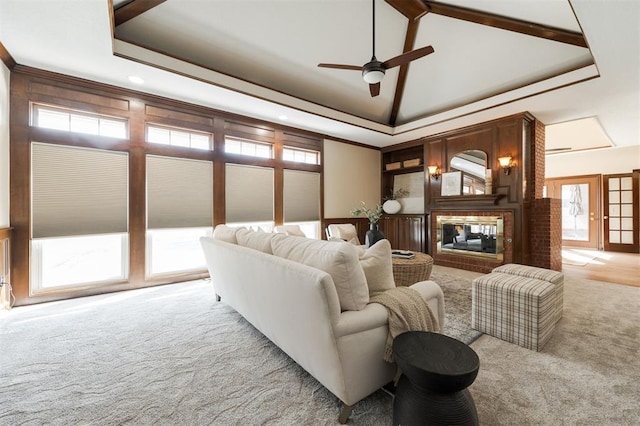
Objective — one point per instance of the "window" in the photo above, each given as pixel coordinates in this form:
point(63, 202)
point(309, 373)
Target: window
point(79, 260)
point(249, 196)
point(250, 148)
point(302, 201)
point(178, 137)
point(175, 250)
point(300, 155)
point(78, 122)
point(79, 208)
point(179, 212)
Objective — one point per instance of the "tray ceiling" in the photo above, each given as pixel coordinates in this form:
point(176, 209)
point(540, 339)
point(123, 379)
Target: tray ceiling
point(277, 45)
point(563, 61)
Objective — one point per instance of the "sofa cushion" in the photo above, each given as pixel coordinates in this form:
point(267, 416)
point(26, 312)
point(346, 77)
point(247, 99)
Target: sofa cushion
point(377, 267)
point(255, 240)
point(226, 233)
point(340, 260)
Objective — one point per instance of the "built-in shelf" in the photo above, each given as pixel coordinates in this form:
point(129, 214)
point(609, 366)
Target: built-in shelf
point(419, 168)
point(468, 202)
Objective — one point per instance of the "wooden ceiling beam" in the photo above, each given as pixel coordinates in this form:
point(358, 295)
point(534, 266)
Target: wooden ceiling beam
point(411, 9)
point(506, 23)
point(132, 9)
point(409, 42)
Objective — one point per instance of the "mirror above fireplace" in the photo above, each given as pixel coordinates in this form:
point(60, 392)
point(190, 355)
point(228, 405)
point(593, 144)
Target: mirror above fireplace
point(473, 165)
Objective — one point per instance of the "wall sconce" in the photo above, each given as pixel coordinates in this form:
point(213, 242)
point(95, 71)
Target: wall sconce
point(506, 164)
point(434, 171)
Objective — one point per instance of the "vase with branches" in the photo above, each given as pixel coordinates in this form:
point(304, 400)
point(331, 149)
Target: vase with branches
point(394, 195)
point(373, 235)
point(372, 214)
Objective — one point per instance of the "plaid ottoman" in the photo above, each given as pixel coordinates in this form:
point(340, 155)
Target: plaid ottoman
point(513, 308)
point(554, 277)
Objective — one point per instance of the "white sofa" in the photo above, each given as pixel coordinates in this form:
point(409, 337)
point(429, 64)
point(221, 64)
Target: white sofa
point(322, 320)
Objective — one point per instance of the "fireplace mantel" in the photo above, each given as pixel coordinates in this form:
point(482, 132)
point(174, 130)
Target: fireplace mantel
point(467, 202)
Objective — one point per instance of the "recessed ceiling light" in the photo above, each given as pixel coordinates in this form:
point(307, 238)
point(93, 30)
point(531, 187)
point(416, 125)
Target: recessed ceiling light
point(135, 79)
point(283, 117)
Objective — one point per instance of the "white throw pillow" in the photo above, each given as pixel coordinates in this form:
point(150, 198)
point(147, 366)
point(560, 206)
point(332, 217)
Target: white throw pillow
point(347, 233)
point(340, 260)
point(226, 233)
point(292, 230)
point(378, 268)
point(255, 240)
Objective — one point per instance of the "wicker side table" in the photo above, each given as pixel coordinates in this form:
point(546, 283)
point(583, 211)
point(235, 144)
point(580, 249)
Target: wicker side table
point(411, 271)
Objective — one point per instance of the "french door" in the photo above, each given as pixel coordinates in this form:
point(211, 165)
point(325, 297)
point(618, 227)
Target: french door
point(621, 212)
point(580, 209)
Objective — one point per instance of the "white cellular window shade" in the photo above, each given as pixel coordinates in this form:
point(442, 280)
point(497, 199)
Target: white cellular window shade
point(78, 191)
point(179, 193)
point(248, 193)
point(301, 196)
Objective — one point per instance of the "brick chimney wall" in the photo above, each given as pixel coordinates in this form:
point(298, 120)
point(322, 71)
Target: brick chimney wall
point(538, 172)
point(546, 233)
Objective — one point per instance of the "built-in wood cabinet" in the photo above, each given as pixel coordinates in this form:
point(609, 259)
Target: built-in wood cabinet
point(404, 232)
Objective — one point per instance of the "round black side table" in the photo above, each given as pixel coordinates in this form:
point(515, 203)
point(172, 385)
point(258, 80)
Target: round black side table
point(436, 371)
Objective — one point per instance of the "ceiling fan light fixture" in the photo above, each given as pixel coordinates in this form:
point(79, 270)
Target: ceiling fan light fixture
point(373, 77)
point(373, 72)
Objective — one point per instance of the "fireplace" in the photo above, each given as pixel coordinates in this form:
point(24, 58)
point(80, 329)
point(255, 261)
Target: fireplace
point(475, 236)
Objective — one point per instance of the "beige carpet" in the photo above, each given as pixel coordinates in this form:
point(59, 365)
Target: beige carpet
point(587, 374)
point(171, 355)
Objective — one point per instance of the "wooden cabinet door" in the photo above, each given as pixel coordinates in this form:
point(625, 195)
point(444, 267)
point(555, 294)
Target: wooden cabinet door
point(411, 233)
point(388, 225)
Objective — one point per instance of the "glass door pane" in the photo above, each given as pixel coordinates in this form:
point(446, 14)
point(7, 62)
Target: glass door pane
point(575, 212)
point(580, 214)
point(621, 207)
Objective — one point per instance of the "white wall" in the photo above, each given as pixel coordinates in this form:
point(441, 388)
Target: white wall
point(351, 174)
point(597, 161)
point(4, 146)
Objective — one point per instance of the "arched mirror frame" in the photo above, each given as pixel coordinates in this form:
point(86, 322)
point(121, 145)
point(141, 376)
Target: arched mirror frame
point(473, 165)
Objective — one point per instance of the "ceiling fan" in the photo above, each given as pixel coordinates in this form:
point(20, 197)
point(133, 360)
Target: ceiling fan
point(373, 71)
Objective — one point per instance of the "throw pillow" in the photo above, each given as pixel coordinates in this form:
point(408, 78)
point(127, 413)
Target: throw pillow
point(255, 240)
point(340, 260)
point(295, 232)
point(226, 233)
point(348, 233)
point(378, 268)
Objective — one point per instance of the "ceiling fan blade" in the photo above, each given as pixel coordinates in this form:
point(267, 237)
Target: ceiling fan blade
point(341, 67)
point(407, 57)
point(374, 89)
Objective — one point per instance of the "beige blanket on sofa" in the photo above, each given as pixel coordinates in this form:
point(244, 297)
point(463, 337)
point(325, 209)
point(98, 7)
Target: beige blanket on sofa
point(408, 311)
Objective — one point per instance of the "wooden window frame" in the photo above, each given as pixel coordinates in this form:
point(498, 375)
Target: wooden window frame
point(31, 86)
